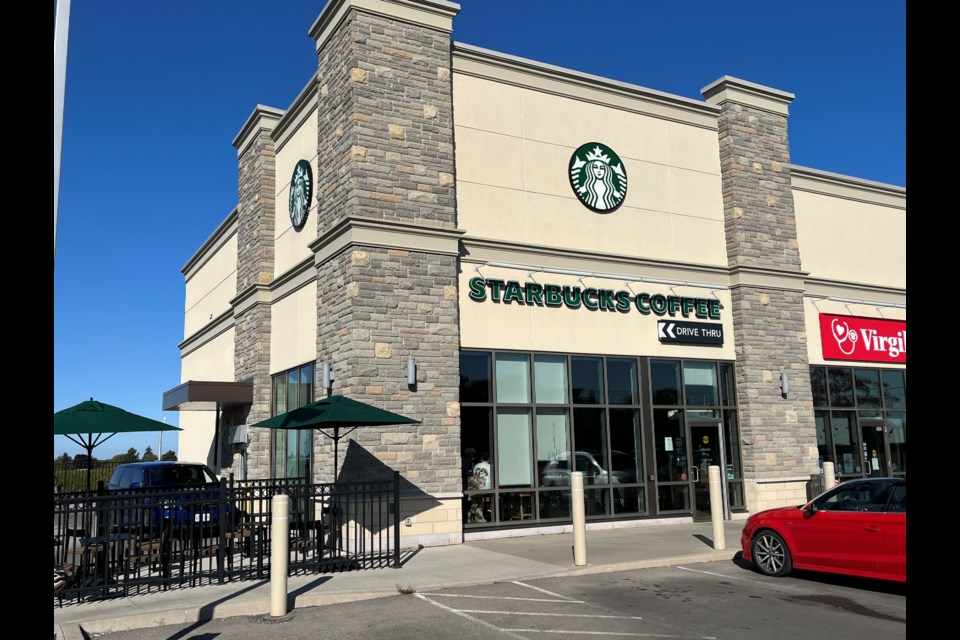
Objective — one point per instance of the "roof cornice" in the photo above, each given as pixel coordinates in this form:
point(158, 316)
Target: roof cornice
point(223, 232)
point(434, 14)
point(531, 74)
point(262, 118)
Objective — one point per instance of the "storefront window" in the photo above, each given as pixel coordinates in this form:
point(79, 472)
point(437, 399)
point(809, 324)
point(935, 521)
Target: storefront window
point(587, 380)
point(474, 377)
point(845, 440)
point(867, 383)
point(291, 450)
point(846, 437)
point(700, 383)
point(550, 373)
point(513, 377)
point(553, 438)
point(894, 389)
point(818, 383)
point(622, 384)
point(514, 456)
point(840, 383)
point(550, 415)
point(665, 381)
point(728, 387)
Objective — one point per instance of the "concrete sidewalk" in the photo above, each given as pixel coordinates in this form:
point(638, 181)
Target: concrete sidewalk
point(632, 545)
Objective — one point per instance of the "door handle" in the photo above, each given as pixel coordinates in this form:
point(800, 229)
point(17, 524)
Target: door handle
point(695, 474)
point(872, 529)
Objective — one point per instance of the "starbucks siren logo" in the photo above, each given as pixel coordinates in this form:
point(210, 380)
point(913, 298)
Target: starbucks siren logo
point(598, 177)
point(301, 188)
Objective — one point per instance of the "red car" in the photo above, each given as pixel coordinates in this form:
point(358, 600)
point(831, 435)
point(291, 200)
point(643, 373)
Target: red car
point(857, 528)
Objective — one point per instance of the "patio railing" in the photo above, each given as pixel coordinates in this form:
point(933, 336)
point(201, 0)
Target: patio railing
point(109, 544)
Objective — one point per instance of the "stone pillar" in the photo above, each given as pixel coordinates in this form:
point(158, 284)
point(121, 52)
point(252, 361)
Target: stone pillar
point(256, 155)
point(385, 163)
point(778, 435)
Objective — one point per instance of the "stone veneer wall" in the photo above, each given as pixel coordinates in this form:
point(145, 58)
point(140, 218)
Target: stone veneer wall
point(778, 435)
point(255, 259)
point(385, 152)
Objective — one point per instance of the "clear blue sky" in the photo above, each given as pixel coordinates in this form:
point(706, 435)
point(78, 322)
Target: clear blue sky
point(156, 92)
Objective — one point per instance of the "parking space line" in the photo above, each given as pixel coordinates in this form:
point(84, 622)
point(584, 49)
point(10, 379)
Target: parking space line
point(510, 632)
point(621, 634)
point(549, 593)
point(550, 615)
point(465, 595)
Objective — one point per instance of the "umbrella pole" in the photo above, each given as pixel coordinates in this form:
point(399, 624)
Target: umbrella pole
point(336, 441)
point(89, 460)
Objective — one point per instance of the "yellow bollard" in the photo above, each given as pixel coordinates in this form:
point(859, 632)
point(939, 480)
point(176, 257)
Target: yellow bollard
point(716, 506)
point(579, 519)
point(829, 479)
point(279, 554)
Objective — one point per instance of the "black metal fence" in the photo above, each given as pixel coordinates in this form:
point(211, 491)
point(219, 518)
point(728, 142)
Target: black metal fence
point(109, 544)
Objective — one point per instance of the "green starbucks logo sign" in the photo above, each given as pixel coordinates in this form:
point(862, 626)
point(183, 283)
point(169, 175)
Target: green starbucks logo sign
point(301, 188)
point(598, 177)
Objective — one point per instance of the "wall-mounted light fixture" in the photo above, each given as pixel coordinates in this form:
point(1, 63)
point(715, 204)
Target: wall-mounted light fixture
point(411, 371)
point(326, 380)
point(784, 384)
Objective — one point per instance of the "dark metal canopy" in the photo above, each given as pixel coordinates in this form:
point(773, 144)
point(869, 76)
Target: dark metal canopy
point(203, 395)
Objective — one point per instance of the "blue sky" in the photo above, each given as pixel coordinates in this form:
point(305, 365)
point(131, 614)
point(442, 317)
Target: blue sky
point(157, 91)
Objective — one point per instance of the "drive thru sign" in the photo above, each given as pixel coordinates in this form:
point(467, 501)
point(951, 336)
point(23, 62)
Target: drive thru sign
point(690, 332)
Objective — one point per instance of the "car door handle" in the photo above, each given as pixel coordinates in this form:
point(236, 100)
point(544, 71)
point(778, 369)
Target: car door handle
point(872, 529)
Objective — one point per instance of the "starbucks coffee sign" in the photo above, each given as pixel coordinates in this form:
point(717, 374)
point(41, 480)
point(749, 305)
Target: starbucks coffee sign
point(598, 177)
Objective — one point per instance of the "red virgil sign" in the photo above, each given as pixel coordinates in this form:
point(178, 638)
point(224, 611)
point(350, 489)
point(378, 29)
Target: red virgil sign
point(868, 339)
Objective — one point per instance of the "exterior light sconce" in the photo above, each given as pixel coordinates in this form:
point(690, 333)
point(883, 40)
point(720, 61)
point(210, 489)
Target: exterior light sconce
point(411, 371)
point(784, 384)
point(326, 377)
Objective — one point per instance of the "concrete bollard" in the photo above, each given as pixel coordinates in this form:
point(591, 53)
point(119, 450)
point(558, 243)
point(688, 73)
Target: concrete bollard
point(829, 479)
point(579, 519)
point(716, 506)
point(279, 554)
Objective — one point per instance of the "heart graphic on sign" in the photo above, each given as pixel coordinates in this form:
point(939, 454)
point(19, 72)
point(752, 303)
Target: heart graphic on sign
point(840, 329)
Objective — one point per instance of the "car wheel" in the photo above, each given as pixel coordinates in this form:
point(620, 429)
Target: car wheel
point(771, 555)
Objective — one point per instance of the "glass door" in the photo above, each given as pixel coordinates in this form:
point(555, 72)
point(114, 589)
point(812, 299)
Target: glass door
point(876, 458)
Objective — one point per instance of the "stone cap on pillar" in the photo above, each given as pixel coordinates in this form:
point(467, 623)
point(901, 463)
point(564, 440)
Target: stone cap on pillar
point(263, 118)
point(435, 14)
point(730, 89)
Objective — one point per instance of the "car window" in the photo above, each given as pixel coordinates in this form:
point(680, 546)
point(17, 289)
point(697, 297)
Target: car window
point(115, 477)
point(136, 475)
point(863, 496)
point(125, 478)
point(898, 500)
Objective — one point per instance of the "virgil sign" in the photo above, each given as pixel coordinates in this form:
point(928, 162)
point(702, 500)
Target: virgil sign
point(554, 295)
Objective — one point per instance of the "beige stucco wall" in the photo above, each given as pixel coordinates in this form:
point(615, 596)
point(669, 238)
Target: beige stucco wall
point(853, 241)
point(490, 325)
point(513, 149)
point(210, 288)
point(211, 361)
point(296, 344)
point(292, 246)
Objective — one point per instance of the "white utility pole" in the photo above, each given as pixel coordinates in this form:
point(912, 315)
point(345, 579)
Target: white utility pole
point(61, 28)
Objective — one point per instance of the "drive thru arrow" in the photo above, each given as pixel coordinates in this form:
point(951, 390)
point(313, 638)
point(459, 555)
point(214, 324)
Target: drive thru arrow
point(666, 327)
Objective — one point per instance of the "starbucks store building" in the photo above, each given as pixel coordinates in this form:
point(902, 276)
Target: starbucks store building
point(551, 272)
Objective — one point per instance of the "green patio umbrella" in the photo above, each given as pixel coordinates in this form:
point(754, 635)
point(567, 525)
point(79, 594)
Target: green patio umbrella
point(91, 423)
point(334, 414)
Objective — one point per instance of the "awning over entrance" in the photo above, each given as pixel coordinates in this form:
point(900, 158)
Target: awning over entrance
point(207, 395)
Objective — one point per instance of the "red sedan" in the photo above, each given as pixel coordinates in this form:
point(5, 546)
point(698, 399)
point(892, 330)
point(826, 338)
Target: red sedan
point(858, 528)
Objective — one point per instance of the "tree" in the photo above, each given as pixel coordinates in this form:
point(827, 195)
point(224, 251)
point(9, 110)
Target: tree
point(169, 455)
point(130, 456)
point(148, 455)
point(64, 459)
